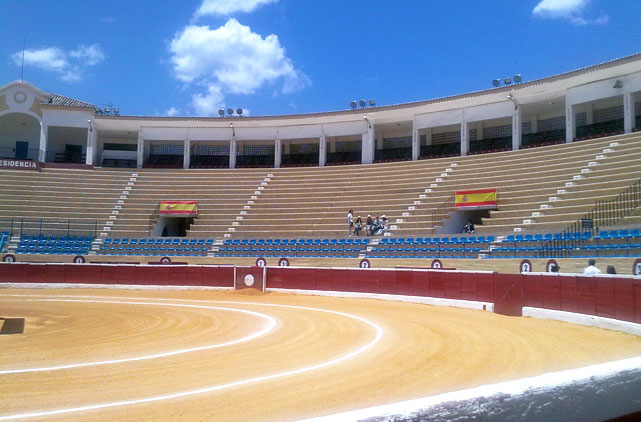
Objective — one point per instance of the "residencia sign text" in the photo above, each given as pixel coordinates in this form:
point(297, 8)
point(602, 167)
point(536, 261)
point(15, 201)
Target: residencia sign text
point(20, 164)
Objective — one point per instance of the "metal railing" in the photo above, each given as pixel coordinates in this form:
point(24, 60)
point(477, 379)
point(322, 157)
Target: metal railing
point(443, 211)
point(153, 219)
point(49, 227)
point(605, 213)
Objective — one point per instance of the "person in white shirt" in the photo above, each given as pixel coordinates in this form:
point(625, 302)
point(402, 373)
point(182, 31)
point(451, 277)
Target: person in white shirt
point(350, 222)
point(591, 269)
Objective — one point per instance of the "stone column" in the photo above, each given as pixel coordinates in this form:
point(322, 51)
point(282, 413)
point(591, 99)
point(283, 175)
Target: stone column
point(322, 151)
point(233, 145)
point(278, 153)
point(465, 139)
point(368, 143)
point(517, 129)
point(416, 142)
point(140, 153)
point(570, 123)
point(44, 132)
point(187, 154)
point(628, 112)
point(92, 146)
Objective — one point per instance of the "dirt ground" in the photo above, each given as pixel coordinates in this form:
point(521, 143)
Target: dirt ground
point(305, 366)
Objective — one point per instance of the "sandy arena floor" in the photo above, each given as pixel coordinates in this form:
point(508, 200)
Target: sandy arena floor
point(305, 357)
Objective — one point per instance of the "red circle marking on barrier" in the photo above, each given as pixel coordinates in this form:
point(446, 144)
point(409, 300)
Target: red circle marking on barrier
point(165, 260)
point(261, 262)
point(437, 264)
point(78, 259)
point(636, 268)
point(525, 266)
point(550, 264)
point(283, 262)
point(364, 263)
point(9, 258)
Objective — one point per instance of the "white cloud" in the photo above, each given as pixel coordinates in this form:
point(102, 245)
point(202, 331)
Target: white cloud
point(231, 59)
point(209, 104)
point(88, 55)
point(572, 10)
point(69, 66)
point(173, 111)
point(228, 7)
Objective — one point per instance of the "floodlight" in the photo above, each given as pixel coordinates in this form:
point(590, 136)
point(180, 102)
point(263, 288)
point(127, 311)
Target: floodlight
point(239, 111)
point(507, 81)
point(221, 112)
point(361, 103)
point(496, 82)
point(372, 103)
point(230, 111)
point(116, 111)
point(517, 78)
point(107, 110)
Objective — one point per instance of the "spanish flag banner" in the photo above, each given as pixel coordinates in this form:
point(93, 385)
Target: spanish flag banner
point(476, 199)
point(179, 208)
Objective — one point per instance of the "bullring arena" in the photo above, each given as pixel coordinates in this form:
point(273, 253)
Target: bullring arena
point(201, 269)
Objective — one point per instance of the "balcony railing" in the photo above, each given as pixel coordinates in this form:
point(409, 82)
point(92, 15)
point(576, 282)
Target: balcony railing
point(48, 227)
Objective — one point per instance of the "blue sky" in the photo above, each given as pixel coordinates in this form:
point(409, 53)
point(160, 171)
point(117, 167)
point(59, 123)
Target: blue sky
point(192, 57)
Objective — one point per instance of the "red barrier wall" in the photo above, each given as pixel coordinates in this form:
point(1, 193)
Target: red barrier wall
point(618, 298)
point(508, 294)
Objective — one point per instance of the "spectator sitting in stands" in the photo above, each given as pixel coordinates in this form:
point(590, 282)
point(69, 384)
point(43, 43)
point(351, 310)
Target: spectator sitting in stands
point(383, 226)
point(610, 269)
point(358, 226)
point(375, 226)
point(591, 269)
point(469, 227)
point(369, 225)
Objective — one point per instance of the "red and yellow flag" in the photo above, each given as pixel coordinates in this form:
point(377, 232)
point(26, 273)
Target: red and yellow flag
point(180, 208)
point(476, 199)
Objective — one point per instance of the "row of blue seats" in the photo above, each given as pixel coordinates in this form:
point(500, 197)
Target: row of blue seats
point(291, 242)
point(306, 253)
point(435, 248)
point(162, 248)
point(46, 250)
point(419, 256)
point(619, 234)
point(436, 240)
point(603, 235)
point(46, 238)
point(157, 241)
point(154, 252)
point(565, 247)
point(547, 237)
point(57, 242)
